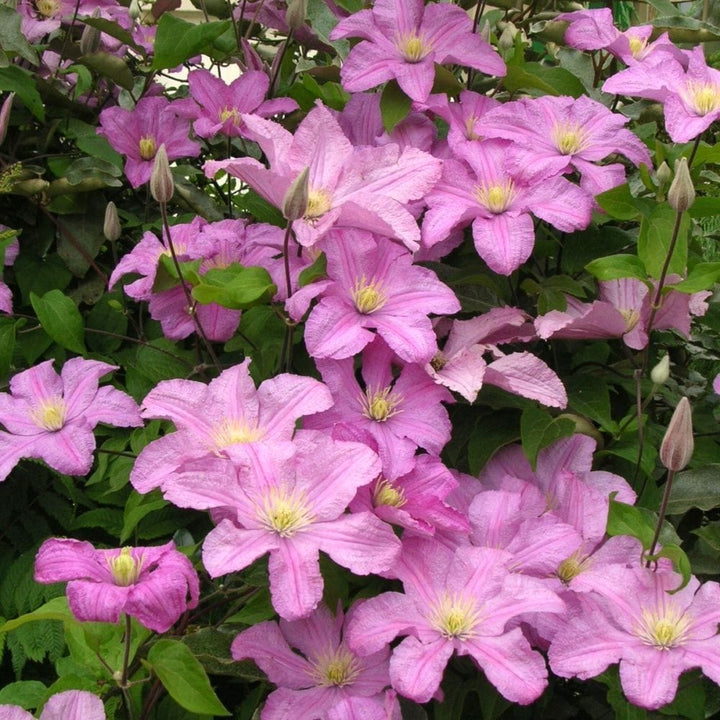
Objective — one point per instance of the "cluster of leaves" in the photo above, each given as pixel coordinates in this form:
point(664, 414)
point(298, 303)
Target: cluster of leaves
point(56, 179)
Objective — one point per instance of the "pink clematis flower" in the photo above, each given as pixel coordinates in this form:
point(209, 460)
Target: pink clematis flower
point(68, 705)
point(51, 417)
point(556, 135)
point(155, 585)
point(404, 39)
point(328, 681)
point(216, 107)
point(138, 134)
point(372, 285)
point(227, 412)
point(462, 602)
point(11, 250)
point(361, 187)
point(633, 620)
point(499, 203)
point(291, 506)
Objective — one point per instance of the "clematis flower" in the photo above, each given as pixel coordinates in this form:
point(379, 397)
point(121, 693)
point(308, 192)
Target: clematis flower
point(462, 602)
point(216, 107)
point(556, 135)
point(690, 94)
point(633, 620)
point(138, 134)
point(291, 506)
point(227, 412)
point(155, 585)
point(499, 203)
point(404, 39)
point(51, 417)
point(372, 285)
point(360, 187)
point(327, 680)
point(11, 250)
point(68, 705)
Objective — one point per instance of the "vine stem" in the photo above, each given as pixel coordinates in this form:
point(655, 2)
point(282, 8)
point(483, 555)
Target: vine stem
point(126, 664)
point(289, 327)
point(661, 515)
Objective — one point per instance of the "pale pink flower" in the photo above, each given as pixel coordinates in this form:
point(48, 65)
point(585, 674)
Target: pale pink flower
point(155, 585)
point(67, 705)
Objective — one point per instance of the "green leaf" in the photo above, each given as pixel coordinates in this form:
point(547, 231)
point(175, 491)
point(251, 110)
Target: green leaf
point(394, 105)
point(7, 344)
point(629, 520)
point(539, 429)
point(702, 277)
point(184, 678)
point(176, 40)
point(55, 609)
point(680, 562)
point(113, 30)
point(167, 275)
point(110, 66)
point(618, 203)
point(614, 267)
point(60, 319)
point(695, 489)
point(29, 694)
point(235, 287)
point(323, 20)
point(551, 80)
point(656, 230)
point(15, 79)
point(12, 39)
point(705, 207)
point(137, 507)
point(316, 271)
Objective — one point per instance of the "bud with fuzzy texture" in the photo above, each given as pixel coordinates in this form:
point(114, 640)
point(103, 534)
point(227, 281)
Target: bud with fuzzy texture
point(681, 194)
point(295, 202)
point(296, 13)
point(5, 116)
point(90, 38)
point(661, 372)
point(162, 186)
point(663, 174)
point(677, 446)
point(111, 227)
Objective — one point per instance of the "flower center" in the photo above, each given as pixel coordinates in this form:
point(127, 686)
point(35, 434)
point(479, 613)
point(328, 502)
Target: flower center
point(571, 567)
point(319, 202)
point(336, 668)
point(703, 97)
point(637, 45)
point(455, 616)
point(47, 8)
point(227, 112)
point(663, 630)
point(50, 414)
point(568, 137)
point(438, 362)
point(496, 198)
point(631, 317)
point(148, 148)
point(380, 405)
point(385, 493)
point(413, 47)
point(470, 133)
point(231, 432)
point(367, 296)
point(284, 511)
point(124, 568)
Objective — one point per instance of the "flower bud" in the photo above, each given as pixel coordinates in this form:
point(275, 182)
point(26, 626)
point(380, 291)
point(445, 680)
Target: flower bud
point(134, 9)
point(5, 116)
point(111, 227)
point(295, 14)
point(161, 180)
point(661, 372)
point(663, 174)
point(681, 194)
point(506, 41)
point(677, 446)
point(295, 201)
point(90, 38)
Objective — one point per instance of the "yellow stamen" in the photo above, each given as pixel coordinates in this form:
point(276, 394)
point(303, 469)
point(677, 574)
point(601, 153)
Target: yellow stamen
point(284, 511)
point(455, 616)
point(569, 138)
point(380, 405)
point(124, 568)
point(703, 97)
point(438, 362)
point(496, 198)
point(368, 296)
point(571, 567)
point(637, 45)
point(335, 668)
point(148, 148)
point(47, 8)
point(385, 493)
point(631, 317)
point(49, 414)
point(231, 432)
point(470, 133)
point(319, 202)
point(227, 112)
point(663, 629)
point(413, 47)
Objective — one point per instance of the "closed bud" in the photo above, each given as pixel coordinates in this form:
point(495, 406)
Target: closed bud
point(295, 201)
point(677, 446)
point(681, 194)
point(663, 174)
point(161, 180)
point(5, 116)
point(296, 13)
point(506, 41)
point(134, 9)
point(661, 372)
point(90, 38)
point(111, 227)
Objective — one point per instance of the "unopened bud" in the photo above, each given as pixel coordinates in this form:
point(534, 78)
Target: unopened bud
point(661, 372)
point(677, 446)
point(506, 41)
point(90, 38)
point(663, 174)
point(111, 227)
point(134, 9)
point(681, 194)
point(295, 14)
point(161, 180)
point(5, 116)
point(295, 201)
